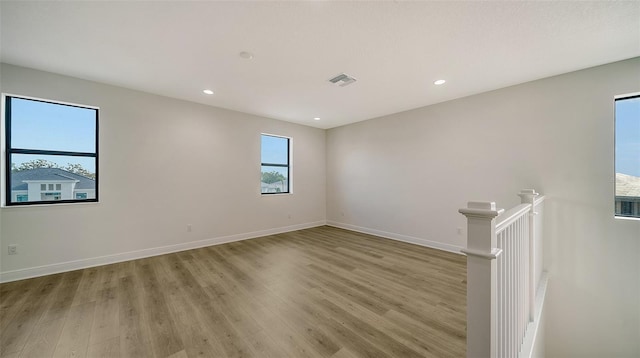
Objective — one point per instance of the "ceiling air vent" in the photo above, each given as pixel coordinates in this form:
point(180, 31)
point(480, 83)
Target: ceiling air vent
point(342, 80)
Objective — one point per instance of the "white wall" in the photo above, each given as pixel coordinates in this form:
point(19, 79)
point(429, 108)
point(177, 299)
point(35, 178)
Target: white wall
point(408, 174)
point(164, 163)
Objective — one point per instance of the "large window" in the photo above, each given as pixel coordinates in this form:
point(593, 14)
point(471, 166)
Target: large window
point(51, 152)
point(627, 152)
point(276, 173)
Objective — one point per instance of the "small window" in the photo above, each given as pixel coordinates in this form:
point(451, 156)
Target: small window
point(21, 198)
point(276, 174)
point(50, 142)
point(50, 196)
point(626, 208)
point(81, 195)
point(627, 156)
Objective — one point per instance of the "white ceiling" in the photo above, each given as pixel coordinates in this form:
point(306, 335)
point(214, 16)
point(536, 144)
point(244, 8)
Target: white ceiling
point(394, 49)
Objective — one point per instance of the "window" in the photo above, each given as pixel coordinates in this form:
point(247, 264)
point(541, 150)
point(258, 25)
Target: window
point(51, 152)
point(276, 173)
point(626, 208)
point(81, 195)
point(50, 196)
point(627, 156)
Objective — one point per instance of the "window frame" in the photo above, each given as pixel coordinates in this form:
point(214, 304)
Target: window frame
point(620, 215)
point(8, 151)
point(288, 165)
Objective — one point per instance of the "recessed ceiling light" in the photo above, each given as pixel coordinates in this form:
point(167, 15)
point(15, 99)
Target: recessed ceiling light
point(246, 55)
point(316, 119)
point(207, 91)
point(439, 82)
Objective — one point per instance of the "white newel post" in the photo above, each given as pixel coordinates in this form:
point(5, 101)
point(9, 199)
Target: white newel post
point(528, 196)
point(481, 252)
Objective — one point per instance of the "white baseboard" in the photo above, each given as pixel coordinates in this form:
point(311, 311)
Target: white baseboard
point(139, 254)
point(398, 237)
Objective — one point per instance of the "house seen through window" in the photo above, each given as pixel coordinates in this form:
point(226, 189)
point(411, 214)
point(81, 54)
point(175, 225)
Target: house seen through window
point(627, 154)
point(276, 173)
point(51, 152)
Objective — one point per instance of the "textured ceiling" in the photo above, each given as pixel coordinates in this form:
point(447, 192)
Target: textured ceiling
point(394, 49)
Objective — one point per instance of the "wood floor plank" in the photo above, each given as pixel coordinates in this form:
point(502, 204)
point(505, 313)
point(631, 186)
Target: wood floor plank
point(450, 346)
point(10, 355)
point(366, 330)
point(74, 339)
point(281, 338)
point(61, 302)
point(16, 332)
point(134, 337)
point(106, 321)
point(319, 292)
point(222, 331)
point(181, 354)
point(396, 332)
point(306, 337)
point(197, 340)
point(43, 339)
point(163, 333)
point(109, 278)
point(265, 346)
point(344, 353)
point(449, 322)
point(13, 295)
point(298, 297)
point(88, 285)
point(105, 349)
point(193, 333)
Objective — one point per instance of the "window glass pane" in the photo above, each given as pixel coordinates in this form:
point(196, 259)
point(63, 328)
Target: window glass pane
point(274, 179)
point(627, 149)
point(84, 165)
point(275, 150)
point(69, 174)
point(49, 126)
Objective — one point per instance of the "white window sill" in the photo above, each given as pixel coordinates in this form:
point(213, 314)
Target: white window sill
point(627, 218)
point(46, 205)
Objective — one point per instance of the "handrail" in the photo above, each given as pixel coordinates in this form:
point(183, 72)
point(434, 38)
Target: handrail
point(511, 215)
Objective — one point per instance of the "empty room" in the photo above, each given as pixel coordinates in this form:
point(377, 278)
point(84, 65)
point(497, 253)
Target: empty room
point(319, 179)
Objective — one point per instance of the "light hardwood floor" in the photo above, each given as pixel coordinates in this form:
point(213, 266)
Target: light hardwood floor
point(321, 292)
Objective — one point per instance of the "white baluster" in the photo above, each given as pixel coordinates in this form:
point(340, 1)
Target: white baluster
point(528, 196)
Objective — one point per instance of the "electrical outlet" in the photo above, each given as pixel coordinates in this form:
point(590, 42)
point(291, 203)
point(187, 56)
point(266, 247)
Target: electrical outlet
point(13, 249)
point(188, 227)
